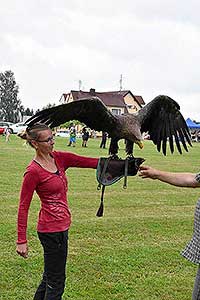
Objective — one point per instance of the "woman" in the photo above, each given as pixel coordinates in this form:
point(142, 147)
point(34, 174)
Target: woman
point(192, 250)
point(46, 175)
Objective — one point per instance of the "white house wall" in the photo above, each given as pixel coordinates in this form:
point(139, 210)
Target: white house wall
point(132, 105)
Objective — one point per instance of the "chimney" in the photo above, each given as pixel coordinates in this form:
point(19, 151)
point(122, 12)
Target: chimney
point(92, 92)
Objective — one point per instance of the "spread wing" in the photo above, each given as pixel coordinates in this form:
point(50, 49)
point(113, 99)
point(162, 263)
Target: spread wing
point(90, 111)
point(164, 122)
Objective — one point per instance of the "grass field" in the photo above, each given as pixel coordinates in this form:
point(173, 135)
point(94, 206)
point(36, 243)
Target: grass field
point(133, 252)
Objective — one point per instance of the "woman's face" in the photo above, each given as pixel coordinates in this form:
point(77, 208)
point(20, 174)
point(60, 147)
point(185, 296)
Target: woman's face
point(45, 141)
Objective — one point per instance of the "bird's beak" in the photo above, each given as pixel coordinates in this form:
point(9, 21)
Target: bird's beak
point(140, 144)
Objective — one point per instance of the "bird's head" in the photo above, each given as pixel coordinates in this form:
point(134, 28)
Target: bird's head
point(133, 130)
point(130, 129)
point(135, 136)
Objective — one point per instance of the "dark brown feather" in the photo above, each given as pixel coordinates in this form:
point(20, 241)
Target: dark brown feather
point(161, 118)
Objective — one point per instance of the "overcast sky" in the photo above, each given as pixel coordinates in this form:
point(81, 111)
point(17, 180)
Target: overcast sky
point(154, 44)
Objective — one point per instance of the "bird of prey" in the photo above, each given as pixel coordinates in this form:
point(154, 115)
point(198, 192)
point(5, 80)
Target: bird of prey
point(161, 118)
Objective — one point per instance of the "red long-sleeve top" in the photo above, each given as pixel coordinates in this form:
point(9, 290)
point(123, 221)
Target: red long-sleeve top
point(54, 215)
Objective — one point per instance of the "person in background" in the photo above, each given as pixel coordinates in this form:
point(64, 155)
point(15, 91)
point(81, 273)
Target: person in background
point(72, 138)
point(45, 174)
point(189, 180)
point(93, 134)
point(103, 139)
point(7, 133)
point(85, 136)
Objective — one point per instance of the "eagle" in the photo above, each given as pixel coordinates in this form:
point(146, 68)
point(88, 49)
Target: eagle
point(161, 118)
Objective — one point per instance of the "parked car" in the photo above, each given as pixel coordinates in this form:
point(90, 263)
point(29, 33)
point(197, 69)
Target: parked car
point(4, 125)
point(66, 133)
point(62, 132)
point(2, 130)
point(18, 127)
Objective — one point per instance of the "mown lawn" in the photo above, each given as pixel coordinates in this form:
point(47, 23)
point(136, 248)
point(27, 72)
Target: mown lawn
point(133, 252)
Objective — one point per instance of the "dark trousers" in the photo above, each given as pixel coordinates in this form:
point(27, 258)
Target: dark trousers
point(55, 247)
point(103, 143)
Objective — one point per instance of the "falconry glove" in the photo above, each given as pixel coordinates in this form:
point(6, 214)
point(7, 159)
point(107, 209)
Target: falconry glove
point(110, 170)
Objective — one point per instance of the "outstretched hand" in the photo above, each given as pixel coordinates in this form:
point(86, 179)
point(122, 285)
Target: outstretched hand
point(148, 172)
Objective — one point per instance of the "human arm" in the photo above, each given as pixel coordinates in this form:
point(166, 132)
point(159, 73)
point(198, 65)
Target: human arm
point(28, 186)
point(177, 179)
point(69, 159)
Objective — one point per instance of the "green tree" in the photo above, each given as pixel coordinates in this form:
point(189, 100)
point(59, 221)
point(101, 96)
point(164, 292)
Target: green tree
point(49, 105)
point(11, 108)
point(68, 123)
point(28, 112)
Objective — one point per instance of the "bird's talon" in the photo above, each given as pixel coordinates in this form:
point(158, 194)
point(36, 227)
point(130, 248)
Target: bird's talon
point(130, 156)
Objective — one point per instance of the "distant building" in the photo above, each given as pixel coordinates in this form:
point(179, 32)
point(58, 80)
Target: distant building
point(118, 102)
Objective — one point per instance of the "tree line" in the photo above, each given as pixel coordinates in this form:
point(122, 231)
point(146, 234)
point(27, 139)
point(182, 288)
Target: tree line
point(11, 108)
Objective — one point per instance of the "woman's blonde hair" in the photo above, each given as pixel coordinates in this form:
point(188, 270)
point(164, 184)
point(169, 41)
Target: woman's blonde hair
point(32, 132)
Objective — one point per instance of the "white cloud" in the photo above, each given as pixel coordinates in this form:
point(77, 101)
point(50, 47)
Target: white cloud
point(50, 45)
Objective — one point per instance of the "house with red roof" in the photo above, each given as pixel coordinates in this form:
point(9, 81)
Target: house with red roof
point(118, 102)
